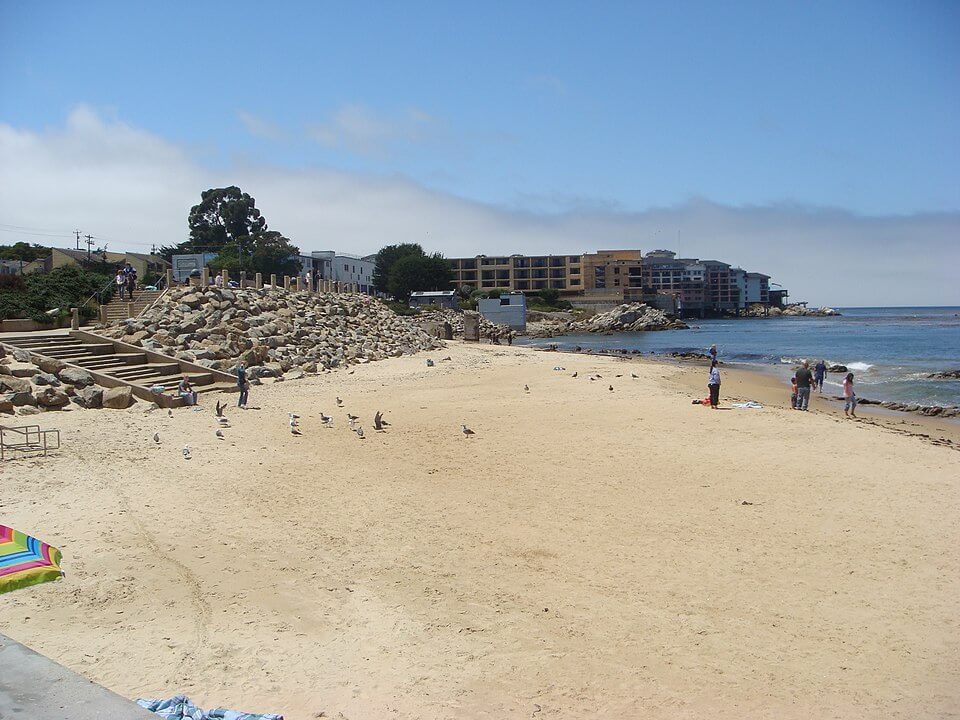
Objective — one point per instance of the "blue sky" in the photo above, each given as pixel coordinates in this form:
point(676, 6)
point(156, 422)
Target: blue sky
point(532, 110)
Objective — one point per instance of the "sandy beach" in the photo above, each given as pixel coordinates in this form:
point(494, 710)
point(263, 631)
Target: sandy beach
point(588, 553)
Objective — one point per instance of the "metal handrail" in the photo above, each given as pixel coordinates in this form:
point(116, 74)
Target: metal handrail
point(99, 294)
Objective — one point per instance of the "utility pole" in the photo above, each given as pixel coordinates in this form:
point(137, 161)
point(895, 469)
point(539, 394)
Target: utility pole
point(89, 245)
point(77, 233)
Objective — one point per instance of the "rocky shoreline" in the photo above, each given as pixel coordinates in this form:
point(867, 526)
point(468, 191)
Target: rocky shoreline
point(763, 311)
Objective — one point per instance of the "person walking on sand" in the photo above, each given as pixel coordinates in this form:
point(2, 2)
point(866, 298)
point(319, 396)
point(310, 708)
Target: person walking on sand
point(819, 373)
point(804, 381)
point(793, 392)
point(849, 397)
point(714, 385)
point(244, 384)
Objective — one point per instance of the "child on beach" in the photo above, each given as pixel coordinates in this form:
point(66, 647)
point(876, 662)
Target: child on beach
point(849, 397)
point(793, 392)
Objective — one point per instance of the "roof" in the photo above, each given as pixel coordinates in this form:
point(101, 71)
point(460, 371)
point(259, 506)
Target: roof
point(433, 293)
point(759, 275)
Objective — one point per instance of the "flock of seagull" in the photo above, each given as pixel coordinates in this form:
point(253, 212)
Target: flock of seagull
point(379, 424)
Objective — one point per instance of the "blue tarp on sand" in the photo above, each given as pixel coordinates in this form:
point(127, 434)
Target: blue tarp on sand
point(179, 707)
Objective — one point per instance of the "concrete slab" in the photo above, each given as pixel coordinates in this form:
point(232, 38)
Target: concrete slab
point(33, 687)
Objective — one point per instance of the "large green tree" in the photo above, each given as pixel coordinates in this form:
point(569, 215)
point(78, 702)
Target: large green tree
point(387, 258)
point(266, 252)
point(418, 272)
point(227, 222)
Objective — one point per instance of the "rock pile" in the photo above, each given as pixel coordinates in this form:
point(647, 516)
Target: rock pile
point(928, 410)
point(630, 317)
point(945, 375)
point(789, 311)
point(29, 385)
point(273, 331)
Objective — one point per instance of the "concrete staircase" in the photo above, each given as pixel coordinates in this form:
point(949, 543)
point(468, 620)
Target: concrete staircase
point(113, 363)
point(116, 309)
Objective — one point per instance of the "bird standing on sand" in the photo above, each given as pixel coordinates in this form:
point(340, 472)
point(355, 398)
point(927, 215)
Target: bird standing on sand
point(574, 375)
point(339, 402)
point(186, 452)
point(169, 413)
point(360, 433)
point(156, 438)
point(611, 388)
point(219, 409)
point(219, 434)
point(634, 376)
point(378, 421)
point(526, 388)
point(326, 420)
point(466, 431)
point(294, 426)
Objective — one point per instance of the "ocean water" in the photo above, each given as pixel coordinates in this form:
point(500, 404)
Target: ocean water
point(890, 351)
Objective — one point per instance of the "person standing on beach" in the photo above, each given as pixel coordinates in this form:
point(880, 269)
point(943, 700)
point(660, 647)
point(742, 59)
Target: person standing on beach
point(849, 396)
point(714, 385)
point(243, 384)
point(793, 392)
point(819, 373)
point(804, 381)
point(713, 353)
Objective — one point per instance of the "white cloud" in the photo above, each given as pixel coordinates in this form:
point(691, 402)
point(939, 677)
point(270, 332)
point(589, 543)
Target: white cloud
point(362, 131)
point(130, 186)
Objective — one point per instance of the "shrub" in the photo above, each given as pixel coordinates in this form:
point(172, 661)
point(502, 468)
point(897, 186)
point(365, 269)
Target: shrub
point(402, 308)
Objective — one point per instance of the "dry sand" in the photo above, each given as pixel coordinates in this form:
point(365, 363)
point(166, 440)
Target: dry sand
point(587, 554)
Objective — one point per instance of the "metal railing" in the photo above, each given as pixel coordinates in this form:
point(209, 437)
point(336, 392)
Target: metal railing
point(27, 439)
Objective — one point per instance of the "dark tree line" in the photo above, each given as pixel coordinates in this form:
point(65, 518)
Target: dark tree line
point(403, 269)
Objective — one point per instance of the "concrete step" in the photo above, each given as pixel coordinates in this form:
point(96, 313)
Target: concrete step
point(65, 351)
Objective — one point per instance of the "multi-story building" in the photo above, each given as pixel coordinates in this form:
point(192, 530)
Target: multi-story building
point(345, 268)
point(519, 272)
point(686, 285)
point(758, 289)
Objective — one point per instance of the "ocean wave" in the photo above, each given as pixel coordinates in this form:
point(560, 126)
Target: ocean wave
point(858, 366)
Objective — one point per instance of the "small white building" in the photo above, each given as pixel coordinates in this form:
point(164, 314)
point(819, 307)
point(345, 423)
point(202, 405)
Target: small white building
point(758, 288)
point(508, 309)
point(345, 268)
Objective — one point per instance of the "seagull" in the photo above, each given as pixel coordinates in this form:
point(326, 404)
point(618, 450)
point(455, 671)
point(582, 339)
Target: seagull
point(360, 433)
point(220, 434)
point(466, 431)
point(186, 452)
point(526, 388)
point(599, 375)
point(156, 438)
point(326, 420)
point(351, 421)
point(620, 375)
point(634, 376)
point(294, 430)
point(352, 417)
point(378, 421)
point(219, 408)
point(592, 378)
point(611, 388)
point(429, 363)
point(339, 402)
point(574, 375)
point(169, 413)
point(447, 357)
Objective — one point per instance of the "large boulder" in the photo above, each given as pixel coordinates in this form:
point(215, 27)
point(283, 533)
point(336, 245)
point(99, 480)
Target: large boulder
point(90, 397)
point(45, 378)
point(8, 383)
point(20, 399)
point(117, 398)
point(21, 355)
point(49, 365)
point(6, 406)
point(52, 397)
point(76, 377)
